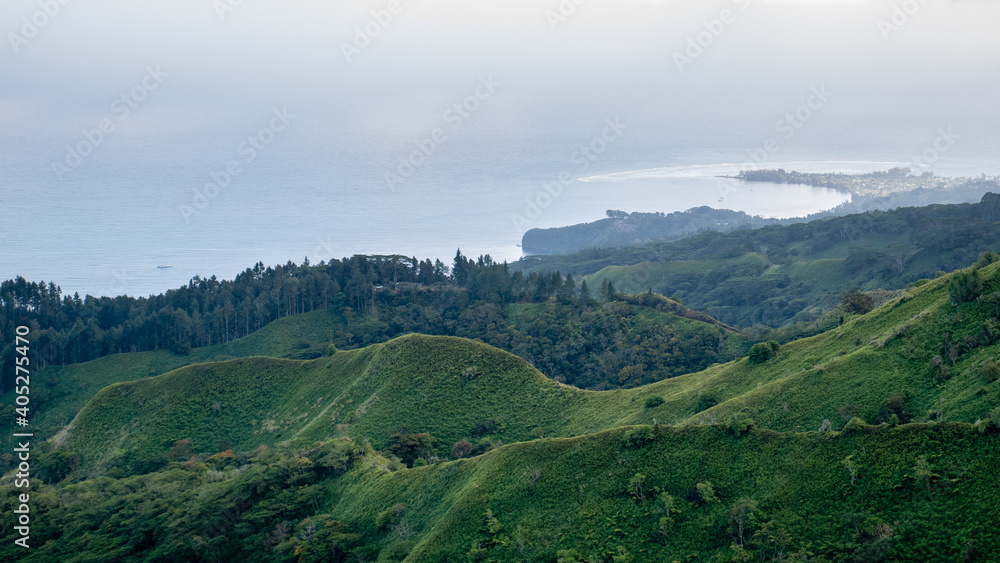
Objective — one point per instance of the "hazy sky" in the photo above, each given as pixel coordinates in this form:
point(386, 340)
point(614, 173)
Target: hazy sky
point(368, 86)
point(182, 84)
point(433, 50)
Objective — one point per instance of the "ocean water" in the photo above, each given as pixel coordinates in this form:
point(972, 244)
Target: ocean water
point(599, 98)
point(320, 188)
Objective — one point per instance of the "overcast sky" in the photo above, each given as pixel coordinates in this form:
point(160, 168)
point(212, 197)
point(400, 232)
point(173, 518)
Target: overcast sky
point(92, 48)
point(367, 83)
point(697, 82)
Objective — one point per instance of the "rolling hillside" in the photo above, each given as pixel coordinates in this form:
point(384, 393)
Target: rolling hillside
point(914, 493)
point(874, 441)
point(782, 275)
point(876, 366)
point(619, 343)
point(67, 388)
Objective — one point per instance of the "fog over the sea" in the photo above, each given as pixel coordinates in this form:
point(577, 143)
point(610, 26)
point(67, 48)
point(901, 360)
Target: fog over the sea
point(693, 83)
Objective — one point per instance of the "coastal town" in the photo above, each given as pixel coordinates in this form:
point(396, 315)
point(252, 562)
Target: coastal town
point(873, 184)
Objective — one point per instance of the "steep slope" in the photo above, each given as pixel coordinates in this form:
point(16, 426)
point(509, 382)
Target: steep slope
point(441, 385)
point(779, 275)
point(919, 357)
point(621, 344)
point(914, 493)
point(61, 391)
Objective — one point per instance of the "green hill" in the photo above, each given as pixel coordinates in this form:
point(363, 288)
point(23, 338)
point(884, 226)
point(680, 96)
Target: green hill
point(914, 493)
point(782, 275)
point(764, 458)
point(603, 344)
point(920, 357)
point(438, 385)
point(65, 389)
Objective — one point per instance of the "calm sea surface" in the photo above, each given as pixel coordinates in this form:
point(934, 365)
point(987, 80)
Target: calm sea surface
point(137, 203)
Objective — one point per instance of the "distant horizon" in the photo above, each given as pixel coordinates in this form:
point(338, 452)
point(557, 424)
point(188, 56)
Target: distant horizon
point(275, 132)
point(475, 255)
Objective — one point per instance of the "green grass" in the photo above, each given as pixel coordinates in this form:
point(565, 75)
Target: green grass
point(913, 493)
point(445, 385)
point(581, 497)
point(563, 484)
point(67, 388)
point(59, 392)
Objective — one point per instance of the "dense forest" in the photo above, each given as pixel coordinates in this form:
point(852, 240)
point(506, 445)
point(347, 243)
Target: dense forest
point(393, 295)
point(874, 442)
point(574, 337)
point(783, 275)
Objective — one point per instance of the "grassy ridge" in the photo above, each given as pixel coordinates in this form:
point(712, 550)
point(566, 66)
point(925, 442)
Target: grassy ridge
point(784, 275)
point(913, 493)
point(855, 370)
point(59, 392)
point(445, 386)
point(581, 495)
point(412, 384)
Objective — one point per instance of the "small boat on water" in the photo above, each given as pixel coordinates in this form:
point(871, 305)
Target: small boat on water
point(163, 267)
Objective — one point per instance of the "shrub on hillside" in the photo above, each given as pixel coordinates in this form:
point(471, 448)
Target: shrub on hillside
point(986, 258)
point(484, 427)
point(965, 286)
point(54, 466)
point(857, 303)
point(853, 425)
point(763, 351)
point(389, 516)
point(740, 424)
point(654, 401)
point(894, 405)
point(706, 492)
point(409, 447)
point(639, 437)
point(938, 370)
point(461, 449)
point(990, 372)
point(849, 411)
point(704, 402)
